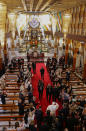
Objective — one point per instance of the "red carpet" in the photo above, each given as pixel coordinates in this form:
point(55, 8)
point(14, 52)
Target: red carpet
point(44, 103)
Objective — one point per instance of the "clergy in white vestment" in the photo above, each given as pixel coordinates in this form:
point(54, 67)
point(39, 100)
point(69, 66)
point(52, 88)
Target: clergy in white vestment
point(53, 108)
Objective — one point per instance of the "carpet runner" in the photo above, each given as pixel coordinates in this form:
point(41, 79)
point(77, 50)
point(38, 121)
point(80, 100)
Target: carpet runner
point(36, 77)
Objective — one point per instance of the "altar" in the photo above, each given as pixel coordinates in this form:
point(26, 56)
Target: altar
point(36, 57)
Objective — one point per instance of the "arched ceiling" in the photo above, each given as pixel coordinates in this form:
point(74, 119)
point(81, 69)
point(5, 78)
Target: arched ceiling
point(41, 5)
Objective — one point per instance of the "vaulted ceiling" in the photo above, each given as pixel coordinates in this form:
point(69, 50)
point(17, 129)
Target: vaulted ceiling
point(41, 5)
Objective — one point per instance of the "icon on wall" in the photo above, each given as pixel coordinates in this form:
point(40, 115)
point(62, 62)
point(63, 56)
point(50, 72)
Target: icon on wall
point(34, 23)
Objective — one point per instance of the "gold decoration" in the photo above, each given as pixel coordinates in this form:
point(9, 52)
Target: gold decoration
point(66, 22)
point(3, 12)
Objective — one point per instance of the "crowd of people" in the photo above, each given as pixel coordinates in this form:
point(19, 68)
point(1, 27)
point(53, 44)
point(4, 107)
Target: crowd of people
point(71, 117)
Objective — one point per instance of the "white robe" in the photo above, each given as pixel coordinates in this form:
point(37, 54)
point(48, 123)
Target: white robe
point(53, 108)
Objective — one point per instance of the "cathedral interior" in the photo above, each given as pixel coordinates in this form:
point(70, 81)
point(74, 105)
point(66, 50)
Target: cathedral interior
point(48, 35)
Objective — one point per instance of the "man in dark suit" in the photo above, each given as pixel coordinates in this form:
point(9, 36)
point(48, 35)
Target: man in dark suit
point(49, 91)
point(28, 56)
point(40, 88)
point(10, 67)
point(68, 75)
point(34, 67)
point(22, 97)
point(42, 73)
point(39, 116)
point(30, 96)
point(55, 92)
point(21, 107)
point(48, 119)
point(3, 96)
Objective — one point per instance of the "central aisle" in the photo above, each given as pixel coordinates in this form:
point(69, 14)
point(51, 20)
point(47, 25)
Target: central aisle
point(36, 77)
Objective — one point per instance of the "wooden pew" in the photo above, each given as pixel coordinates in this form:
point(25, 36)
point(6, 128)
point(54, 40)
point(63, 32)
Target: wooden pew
point(11, 118)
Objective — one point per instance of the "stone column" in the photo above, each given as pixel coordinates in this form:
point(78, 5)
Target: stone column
point(0, 58)
point(84, 73)
point(66, 51)
point(12, 46)
point(5, 51)
point(5, 41)
point(55, 46)
point(75, 55)
point(12, 27)
point(55, 50)
point(3, 12)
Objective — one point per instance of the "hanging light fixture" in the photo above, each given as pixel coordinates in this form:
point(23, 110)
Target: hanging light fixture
point(3, 13)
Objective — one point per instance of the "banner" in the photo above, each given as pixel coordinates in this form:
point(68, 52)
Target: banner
point(59, 22)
